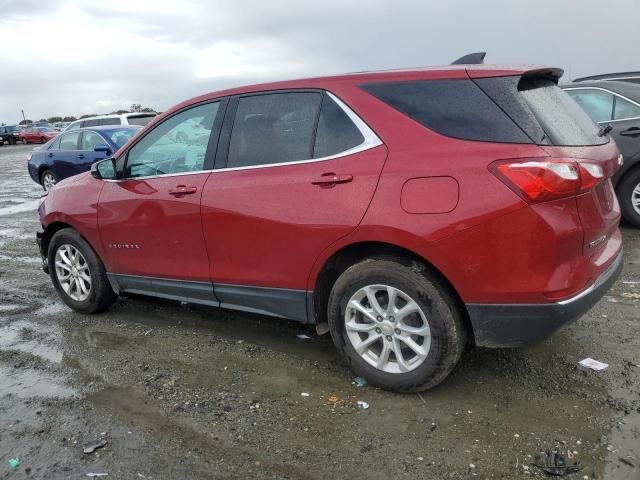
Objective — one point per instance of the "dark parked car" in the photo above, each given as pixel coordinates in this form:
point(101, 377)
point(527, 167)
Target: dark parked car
point(9, 134)
point(405, 212)
point(74, 152)
point(632, 77)
point(617, 104)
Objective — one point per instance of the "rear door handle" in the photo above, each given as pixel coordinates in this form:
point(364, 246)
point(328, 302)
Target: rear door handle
point(50, 154)
point(330, 179)
point(80, 155)
point(182, 190)
point(630, 132)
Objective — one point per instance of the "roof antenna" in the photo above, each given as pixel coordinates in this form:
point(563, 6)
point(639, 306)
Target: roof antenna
point(476, 58)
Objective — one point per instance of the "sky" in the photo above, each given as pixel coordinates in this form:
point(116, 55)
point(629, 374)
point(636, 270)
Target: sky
point(74, 57)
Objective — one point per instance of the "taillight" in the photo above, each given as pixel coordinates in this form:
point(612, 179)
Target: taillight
point(542, 181)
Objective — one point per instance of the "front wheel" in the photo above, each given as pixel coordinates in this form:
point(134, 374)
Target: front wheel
point(395, 324)
point(77, 273)
point(629, 197)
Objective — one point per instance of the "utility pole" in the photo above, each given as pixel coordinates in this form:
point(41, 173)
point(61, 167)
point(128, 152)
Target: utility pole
point(23, 117)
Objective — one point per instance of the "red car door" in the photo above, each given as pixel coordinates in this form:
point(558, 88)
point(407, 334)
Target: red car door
point(150, 220)
point(284, 194)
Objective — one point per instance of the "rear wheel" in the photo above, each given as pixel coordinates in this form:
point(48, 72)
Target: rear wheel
point(629, 196)
point(48, 179)
point(43, 140)
point(78, 274)
point(395, 324)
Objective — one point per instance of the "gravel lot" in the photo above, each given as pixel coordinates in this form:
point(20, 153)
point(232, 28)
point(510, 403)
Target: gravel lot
point(189, 392)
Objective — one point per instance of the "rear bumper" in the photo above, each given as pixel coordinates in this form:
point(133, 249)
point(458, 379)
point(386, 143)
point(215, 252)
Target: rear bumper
point(518, 325)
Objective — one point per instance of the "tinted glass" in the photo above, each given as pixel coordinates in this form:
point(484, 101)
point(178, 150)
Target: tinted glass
point(158, 153)
point(562, 119)
point(120, 137)
point(73, 126)
point(90, 140)
point(273, 128)
point(597, 104)
point(55, 145)
point(140, 120)
point(625, 109)
point(69, 141)
point(456, 108)
point(336, 132)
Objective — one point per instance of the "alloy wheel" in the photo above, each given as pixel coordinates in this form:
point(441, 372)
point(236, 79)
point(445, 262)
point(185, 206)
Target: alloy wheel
point(387, 328)
point(48, 181)
point(635, 198)
point(73, 272)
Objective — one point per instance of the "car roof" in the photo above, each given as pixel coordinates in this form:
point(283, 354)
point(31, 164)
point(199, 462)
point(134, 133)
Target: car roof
point(406, 74)
point(626, 89)
point(103, 128)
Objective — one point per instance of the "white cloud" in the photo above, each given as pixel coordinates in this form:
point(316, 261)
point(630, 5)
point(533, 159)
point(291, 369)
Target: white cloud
point(76, 57)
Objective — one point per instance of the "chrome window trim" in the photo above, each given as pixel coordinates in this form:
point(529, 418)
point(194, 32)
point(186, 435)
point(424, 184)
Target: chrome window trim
point(615, 95)
point(371, 140)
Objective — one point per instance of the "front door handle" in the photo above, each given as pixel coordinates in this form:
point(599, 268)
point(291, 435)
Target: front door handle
point(630, 132)
point(50, 154)
point(182, 190)
point(331, 179)
point(80, 155)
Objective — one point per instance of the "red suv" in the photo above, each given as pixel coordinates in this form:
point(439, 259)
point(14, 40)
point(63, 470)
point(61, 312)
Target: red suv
point(408, 213)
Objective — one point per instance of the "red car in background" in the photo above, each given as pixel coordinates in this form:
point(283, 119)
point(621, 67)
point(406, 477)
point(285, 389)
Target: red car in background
point(37, 135)
point(404, 212)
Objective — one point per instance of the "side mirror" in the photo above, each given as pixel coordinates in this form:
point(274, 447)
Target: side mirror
point(104, 170)
point(101, 147)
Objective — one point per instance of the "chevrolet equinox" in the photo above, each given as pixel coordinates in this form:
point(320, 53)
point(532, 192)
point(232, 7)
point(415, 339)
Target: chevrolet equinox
point(408, 213)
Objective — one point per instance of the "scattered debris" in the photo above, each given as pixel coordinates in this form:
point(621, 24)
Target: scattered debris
point(148, 332)
point(359, 381)
point(631, 295)
point(304, 394)
point(96, 444)
point(303, 336)
point(14, 462)
point(626, 461)
point(362, 405)
point(471, 466)
point(421, 398)
point(631, 283)
point(101, 474)
point(593, 364)
point(558, 464)
point(333, 399)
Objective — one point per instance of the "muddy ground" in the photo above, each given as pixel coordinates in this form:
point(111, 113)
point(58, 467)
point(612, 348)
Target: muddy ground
point(190, 392)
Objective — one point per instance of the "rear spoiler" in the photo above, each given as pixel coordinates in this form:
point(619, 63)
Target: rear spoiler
point(476, 58)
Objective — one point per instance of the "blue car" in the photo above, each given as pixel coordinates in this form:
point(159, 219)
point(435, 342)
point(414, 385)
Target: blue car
point(73, 152)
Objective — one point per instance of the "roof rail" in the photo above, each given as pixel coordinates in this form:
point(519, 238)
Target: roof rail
point(609, 76)
point(476, 58)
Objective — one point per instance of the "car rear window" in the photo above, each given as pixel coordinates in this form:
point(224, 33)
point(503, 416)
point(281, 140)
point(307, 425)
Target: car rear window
point(499, 109)
point(336, 132)
point(141, 120)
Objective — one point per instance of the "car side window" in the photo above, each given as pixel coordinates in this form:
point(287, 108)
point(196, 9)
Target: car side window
point(109, 121)
point(336, 132)
point(597, 104)
point(273, 128)
point(159, 153)
point(74, 126)
point(69, 141)
point(55, 145)
point(90, 140)
point(625, 109)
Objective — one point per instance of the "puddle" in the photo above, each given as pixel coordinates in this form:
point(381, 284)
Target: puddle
point(624, 441)
point(10, 307)
point(12, 337)
point(20, 208)
point(52, 309)
point(26, 383)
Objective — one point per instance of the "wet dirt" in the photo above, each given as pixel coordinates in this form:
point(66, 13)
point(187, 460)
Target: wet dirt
point(191, 392)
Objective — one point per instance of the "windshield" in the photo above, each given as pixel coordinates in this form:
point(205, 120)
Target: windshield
point(120, 137)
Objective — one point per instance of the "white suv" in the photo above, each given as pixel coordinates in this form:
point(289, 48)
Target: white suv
point(124, 119)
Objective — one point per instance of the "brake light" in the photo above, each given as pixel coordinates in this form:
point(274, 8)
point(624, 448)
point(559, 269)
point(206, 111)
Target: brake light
point(542, 181)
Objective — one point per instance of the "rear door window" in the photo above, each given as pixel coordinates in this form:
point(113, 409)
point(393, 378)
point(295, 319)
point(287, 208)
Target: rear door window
point(336, 132)
point(597, 103)
point(624, 109)
point(69, 141)
point(90, 140)
point(273, 128)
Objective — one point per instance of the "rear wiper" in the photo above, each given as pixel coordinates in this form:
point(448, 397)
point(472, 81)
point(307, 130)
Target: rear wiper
point(604, 130)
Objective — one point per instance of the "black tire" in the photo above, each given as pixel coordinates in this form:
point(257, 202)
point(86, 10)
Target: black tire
point(42, 140)
point(101, 295)
point(625, 193)
point(448, 334)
